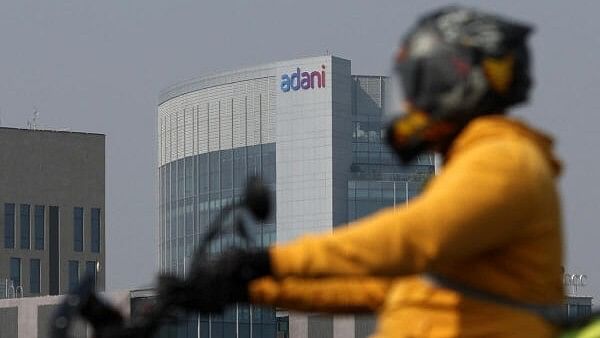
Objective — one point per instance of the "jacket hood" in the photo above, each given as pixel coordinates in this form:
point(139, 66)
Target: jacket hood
point(495, 126)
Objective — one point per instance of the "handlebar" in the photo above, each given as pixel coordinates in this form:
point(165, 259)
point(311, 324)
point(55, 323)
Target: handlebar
point(107, 322)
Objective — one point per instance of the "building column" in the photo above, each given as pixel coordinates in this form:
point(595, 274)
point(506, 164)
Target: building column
point(298, 325)
point(343, 326)
point(28, 318)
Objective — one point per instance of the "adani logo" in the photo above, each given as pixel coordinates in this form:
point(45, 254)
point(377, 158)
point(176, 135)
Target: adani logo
point(303, 80)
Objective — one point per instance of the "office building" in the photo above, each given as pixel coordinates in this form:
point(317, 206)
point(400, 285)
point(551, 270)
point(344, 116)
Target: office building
point(313, 131)
point(31, 316)
point(52, 211)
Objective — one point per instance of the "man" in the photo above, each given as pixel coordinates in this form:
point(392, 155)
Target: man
point(478, 252)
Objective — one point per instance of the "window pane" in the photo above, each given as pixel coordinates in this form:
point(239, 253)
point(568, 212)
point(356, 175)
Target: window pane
point(203, 173)
point(283, 326)
point(73, 275)
point(268, 163)
point(216, 326)
point(229, 330)
point(181, 329)
point(25, 222)
point(245, 330)
point(360, 133)
point(53, 250)
point(180, 179)
point(214, 172)
point(180, 252)
point(90, 271)
point(239, 168)
point(78, 229)
point(180, 218)
point(15, 271)
point(269, 330)
point(95, 231)
point(256, 314)
point(173, 219)
point(9, 225)
point(173, 170)
point(34, 276)
point(189, 176)
point(226, 169)
point(39, 227)
point(254, 157)
point(204, 329)
point(189, 216)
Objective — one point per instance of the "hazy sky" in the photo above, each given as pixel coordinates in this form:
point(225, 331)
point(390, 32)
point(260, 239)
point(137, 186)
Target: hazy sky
point(98, 66)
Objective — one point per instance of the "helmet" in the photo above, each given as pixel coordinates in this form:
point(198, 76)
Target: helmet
point(456, 64)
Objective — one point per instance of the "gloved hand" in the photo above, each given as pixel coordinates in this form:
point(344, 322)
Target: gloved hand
point(212, 285)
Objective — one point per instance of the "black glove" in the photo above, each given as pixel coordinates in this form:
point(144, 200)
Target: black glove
point(212, 285)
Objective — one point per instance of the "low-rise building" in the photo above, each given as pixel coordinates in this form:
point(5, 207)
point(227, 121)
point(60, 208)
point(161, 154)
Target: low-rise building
point(52, 186)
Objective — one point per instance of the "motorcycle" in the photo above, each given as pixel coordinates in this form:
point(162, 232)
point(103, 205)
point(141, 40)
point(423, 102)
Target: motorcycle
point(106, 321)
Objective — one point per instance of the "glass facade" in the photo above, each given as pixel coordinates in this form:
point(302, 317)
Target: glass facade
point(369, 193)
point(34, 276)
point(39, 219)
point(25, 221)
point(377, 179)
point(9, 225)
point(78, 229)
point(243, 321)
point(193, 190)
point(73, 275)
point(95, 230)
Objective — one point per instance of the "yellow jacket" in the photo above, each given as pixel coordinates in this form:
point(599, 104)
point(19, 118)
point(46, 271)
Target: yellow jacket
point(491, 220)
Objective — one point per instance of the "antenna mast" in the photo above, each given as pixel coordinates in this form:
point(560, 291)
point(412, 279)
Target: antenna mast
point(33, 123)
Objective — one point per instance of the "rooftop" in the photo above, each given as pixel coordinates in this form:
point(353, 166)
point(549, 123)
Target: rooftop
point(60, 131)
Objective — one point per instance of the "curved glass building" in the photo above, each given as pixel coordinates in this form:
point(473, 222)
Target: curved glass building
point(313, 132)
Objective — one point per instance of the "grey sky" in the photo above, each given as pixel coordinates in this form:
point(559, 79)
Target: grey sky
point(98, 66)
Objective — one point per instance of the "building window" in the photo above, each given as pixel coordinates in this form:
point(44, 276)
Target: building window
point(9, 225)
point(78, 229)
point(268, 163)
point(15, 271)
point(25, 221)
point(73, 275)
point(95, 230)
point(90, 271)
point(283, 327)
point(34, 276)
point(39, 227)
point(54, 250)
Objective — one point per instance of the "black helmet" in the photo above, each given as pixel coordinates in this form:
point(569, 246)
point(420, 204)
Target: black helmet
point(457, 63)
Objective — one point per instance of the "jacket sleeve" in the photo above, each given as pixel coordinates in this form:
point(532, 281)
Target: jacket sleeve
point(473, 206)
point(339, 295)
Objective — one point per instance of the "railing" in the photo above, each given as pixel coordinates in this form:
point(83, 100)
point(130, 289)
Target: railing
point(9, 290)
point(574, 283)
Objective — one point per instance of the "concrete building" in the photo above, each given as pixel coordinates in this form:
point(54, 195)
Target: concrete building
point(30, 317)
point(52, 211)
point(313, 131)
